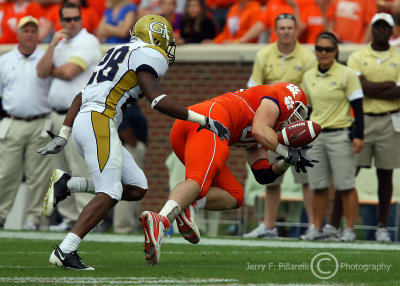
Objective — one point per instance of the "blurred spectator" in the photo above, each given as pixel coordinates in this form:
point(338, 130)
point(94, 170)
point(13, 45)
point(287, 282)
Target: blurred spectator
point(219, 9)
point(312, 14)
point(3, 7)
point(168, 12)
point(239, 19)
point(70, 58)
point(332, 89)
point(350, 20)
point(395, 38)
point(133, 134)
point(266, 21)
point(90, 19)
point(23, 130)
point(98, 6)
point(117, 21)
point(196, 25)
point(14, 12)
point(284, 60)
point(147, 7)
point(378, 67)
point(388, 6)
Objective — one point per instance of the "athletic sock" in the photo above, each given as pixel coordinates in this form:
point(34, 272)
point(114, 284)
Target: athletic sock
point(200, 203)
point(171, 210)
point(70, 243)
point(80, 185)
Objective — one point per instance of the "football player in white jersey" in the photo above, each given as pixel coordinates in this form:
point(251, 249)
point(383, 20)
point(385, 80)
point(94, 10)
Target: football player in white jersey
point(127, 70)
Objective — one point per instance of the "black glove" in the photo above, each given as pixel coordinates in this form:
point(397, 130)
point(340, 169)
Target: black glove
point(216, 127)
point(56, 144)
point(297, 157)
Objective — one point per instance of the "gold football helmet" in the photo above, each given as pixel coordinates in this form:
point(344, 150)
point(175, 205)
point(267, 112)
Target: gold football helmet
point(157, 31)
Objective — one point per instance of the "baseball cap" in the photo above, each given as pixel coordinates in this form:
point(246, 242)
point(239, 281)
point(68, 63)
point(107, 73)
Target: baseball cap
point(384, 17)
point(27, 19)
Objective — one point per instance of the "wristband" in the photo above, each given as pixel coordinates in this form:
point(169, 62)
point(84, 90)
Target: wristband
point(65, 132)
point(157, 100)
point(282, 150)
point(196, 117)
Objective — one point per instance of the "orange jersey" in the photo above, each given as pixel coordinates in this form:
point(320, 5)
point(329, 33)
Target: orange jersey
point(274, 9)
point(351, 17)
point(98, 6)
point(204, 154)
point(238, 21)
point(311, 16)
point(90, 19)
point(12, 17)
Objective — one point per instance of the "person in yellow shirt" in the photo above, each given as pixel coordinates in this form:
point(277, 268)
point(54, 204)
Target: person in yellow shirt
point(332, 88)
point(378, 66)
point(284, 60)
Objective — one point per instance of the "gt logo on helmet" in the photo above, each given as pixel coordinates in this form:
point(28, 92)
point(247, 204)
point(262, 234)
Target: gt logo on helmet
point(159, 28)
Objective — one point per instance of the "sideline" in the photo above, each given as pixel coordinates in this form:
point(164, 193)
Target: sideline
point(281, 243)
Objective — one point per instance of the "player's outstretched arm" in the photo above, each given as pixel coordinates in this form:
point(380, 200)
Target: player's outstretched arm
point(59, 141)
point(152, 90)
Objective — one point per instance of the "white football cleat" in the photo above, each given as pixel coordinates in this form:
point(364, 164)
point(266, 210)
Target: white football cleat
point(155, 227)
point(187, 224)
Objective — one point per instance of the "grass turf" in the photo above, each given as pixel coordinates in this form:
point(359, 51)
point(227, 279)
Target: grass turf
point(24, 261)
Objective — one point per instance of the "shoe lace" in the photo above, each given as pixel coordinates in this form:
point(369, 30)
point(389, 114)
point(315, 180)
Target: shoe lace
point(77, 257)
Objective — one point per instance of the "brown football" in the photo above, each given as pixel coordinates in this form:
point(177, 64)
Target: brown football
point(299, 133)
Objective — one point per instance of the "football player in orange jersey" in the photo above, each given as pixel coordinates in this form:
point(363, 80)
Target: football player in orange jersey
point(252, 117)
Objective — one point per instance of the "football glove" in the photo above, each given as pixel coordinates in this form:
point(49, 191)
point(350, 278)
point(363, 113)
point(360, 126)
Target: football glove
point(216, 127)
point(297, 157)
point(56, 144)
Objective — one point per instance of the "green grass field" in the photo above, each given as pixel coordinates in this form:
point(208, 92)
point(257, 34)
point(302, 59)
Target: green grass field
point(119, 260)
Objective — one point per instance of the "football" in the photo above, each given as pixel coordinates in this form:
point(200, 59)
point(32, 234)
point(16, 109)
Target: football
point(299, 133)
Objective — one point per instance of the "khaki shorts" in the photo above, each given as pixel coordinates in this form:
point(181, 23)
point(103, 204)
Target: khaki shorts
point(299, 178)
point(381, 142)
point(337, 161)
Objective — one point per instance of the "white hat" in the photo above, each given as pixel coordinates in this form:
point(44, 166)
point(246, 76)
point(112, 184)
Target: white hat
point(28, 19)
point(383, 16)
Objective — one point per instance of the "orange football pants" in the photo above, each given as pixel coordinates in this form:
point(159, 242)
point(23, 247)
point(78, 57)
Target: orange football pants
point(204, 154)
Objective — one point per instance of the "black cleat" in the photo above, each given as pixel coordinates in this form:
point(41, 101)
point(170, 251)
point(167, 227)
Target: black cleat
point(67, 260)
point(57, 192)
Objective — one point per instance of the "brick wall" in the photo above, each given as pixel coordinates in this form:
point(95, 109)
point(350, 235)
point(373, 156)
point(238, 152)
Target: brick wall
point(188, 83)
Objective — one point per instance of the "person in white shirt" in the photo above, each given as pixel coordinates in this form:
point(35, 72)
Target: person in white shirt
point(70, 59)
point(23, 129)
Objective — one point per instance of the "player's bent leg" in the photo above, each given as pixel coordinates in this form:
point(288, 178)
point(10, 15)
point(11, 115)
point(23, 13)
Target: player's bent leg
point(155, 227)
point(93, 213)
point(220, 200)
point(187, 224)
point(132, 193)
point(57, 192)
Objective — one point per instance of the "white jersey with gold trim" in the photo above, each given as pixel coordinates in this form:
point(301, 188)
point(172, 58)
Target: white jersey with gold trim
point(114, 78)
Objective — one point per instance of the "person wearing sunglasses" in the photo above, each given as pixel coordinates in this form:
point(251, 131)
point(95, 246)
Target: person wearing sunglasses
point(378, 68)
point(332, 89)
point(70, 59)
point(284, 60)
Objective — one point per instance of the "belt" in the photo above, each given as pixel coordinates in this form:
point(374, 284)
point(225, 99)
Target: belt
point(28, 119)
point(327, 130)
point(381, 114)
point(61, 111)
